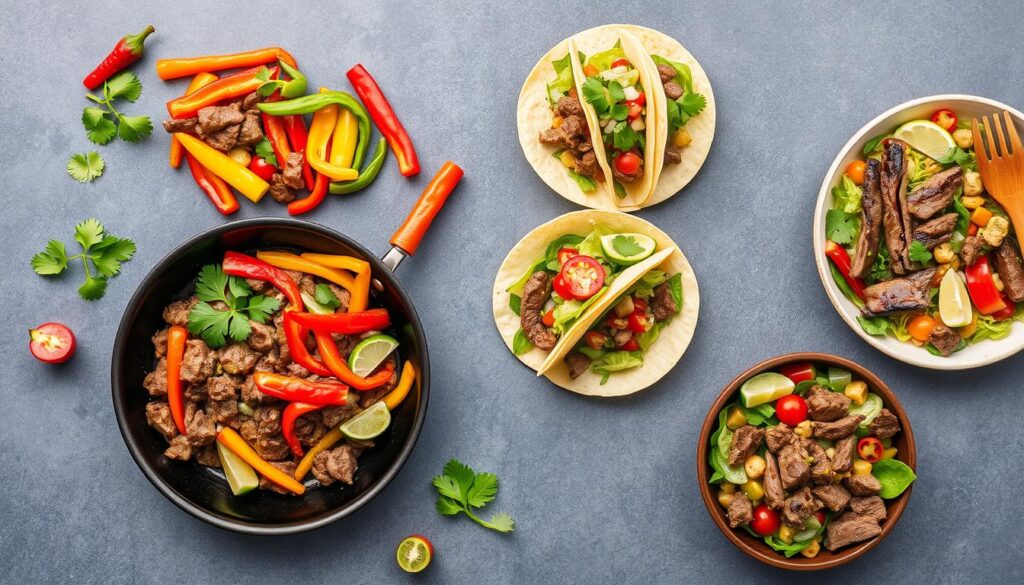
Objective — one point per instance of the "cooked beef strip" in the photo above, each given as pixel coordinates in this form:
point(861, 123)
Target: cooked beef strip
point(223, 411)
point(666, 72)
point(826, 405)
point(872, 506)
point(862, 485)
point(885, 424)
point(832, 496)
point(587, 165)
point(224, 140)
point(552, 137)
point(179, 449)
point(291, 173)
point(262, 337)
point(871, 222)
point(740, 510)
point(535, 294)
point(200, 428)
point(971, 249)
point(238, 358)
point(198, 361)
point(272, 448)
point(821, 467)
point(177, 312)
point(895, 220)
point(672, 156)
point(799, 507)
point(778, 437)
point(195, 392)
point(842, 459)
point(279, 191)
point(158, 415)
point(159, 340)
point(187, 125)
point(850, 528)
point(208, 456)
point(663, 304)
point(155, 382)
point(1011, 270)
point(569, 106)
point(222, 388)
point(774, 495)
point(793, 467)
point(936, 231)
point(935, 194)
point(838, 429)
point(900, 294)
point(333, 416)
point(745, 441)
point(251, 130)
point(672, 90)
point(286, 466)
point(944, 339)
point(574, 128)
point(578, 364)
point(214, 118)
point(338, 464)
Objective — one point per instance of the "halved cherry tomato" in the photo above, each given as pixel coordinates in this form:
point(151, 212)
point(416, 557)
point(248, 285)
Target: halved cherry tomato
point(766, 521)
point(627, 163)
point(920, 327)
point(589, 70)
point(945, 118)
point(630, 345)
point(637, 322)
point(51, 343)
point(634, 111)
point(595, 339)
point(583, 276)
point(562, 288)
point(870, 449)
point(620, 63)
point(855, 170)
point(262, 168)
point(791, 409)
point(565, 254)
point(798, 372)
point(549, 318)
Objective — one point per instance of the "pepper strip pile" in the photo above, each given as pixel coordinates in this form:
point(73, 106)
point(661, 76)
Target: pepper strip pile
point(233, 86)
point(238, 176)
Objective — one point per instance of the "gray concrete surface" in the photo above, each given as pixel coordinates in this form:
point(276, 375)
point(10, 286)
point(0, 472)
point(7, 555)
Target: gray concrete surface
point(603, 491)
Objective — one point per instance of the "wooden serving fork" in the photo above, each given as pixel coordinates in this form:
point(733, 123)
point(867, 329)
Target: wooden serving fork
point(1002, 169)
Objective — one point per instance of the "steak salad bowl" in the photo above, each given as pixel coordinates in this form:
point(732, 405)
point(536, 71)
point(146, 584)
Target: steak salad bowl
point(913, 253)
point(806, 461)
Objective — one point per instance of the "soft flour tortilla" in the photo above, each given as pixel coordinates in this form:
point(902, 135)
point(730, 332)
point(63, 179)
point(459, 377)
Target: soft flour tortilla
point(665, 352)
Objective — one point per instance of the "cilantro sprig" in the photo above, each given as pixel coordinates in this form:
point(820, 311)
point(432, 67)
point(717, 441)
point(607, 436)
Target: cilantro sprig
point(86, 167)
point(104, 122)
point(102, 251)
point(215, 325)
point(326, 297)
point(461, 490)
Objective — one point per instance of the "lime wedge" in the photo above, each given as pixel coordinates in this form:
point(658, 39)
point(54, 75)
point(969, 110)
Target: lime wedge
point(370, 353)
point(765, 387)
point(314, 306)
point(414, 554)
point(368, 424)
point(241, 476)
point(927, 137)
point(627, 249)
point(954, 304)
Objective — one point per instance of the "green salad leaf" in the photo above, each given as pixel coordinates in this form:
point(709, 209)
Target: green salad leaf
point(585, 183)
point(326, 297)
point(515, 303)
point(874, 325)
point(871, 146)
point(847, 196)
point(603, 59)
point(894, 475)
point(684, 77)
point(566, 313)
point(616, 361)
point(520, 344)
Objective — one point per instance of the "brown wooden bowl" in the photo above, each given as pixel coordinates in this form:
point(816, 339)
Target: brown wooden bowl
point(755, 547)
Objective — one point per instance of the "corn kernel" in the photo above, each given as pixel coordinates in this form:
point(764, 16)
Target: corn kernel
point(973, 202)
point(729, 488)
point(681, 139)
point(556, 122)
point(889, 453)
point(812, 549)
point(736, 418)
point(754, 490)
point(943, 253)
point(786, 533)
point(861, 467)
point(754, 466)
point(724, 499)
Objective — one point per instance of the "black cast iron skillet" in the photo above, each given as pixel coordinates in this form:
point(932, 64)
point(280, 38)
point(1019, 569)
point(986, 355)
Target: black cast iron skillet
point(204, 492)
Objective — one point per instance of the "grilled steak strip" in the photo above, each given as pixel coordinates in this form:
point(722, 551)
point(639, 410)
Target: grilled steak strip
point(935, 194)
point(1011, 271)
point(893, 186)
point(871, 222)
point(899, 294)
point(535, 294)
point(936, 231)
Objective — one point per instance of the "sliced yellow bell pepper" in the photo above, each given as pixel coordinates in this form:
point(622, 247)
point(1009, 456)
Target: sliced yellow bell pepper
point(289, 261)
point(325, 442)
point(320, 130)
point(361, 291)
point(343, 142)
point(396, 396)
point(247, 182)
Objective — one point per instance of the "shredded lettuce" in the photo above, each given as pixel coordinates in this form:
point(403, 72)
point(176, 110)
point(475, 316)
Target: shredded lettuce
point(585, 183)
point(563, 81)
point(603, 60)
point(683, 75)
point(847, 195)
point(616, 361)
point(566, 313)
point(644, 287)
point(591, 245)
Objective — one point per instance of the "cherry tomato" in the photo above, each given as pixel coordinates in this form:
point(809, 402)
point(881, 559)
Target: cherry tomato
point(945, 118)
point(627, 163)
point(562, 288)
point(565, 254)
point(620, 63)
point(1006, 313)
point(262, 168)
point(51, 343)
point(639, 305)
point(798, 372)
point(630, 345)
point(589, 70)
point(634, 111)
point(583, 276)
point(640, 99)
point(595, 339)
point(637, 322)
point(920, 327)
point(855, 170)
point(766, 521)
point(549, 318)
point(791, 409)
point(615, 322)
point(870, 449)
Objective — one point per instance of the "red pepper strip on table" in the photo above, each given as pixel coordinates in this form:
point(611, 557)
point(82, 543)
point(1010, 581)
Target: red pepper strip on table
point(215, 188)
point(127, 51)
point(176, 337)
point(288, 417)
point(295, 336)
point(174, 68)
point(332, 359)
point(409, 234)
point(345, 323)
point(295, 127)
point(838, 255)
point(322, 392)
point(237, 85)
point(238, 264)
point(384, 117)
point(315, 198)
point(982, 287)
point(177, 150)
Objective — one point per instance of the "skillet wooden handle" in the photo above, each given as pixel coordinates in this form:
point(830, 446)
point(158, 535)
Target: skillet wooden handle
point(408, 236)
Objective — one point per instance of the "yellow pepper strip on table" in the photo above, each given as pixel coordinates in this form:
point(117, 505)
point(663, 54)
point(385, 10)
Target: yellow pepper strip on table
point(233, 441)
point(398, 394)
point(343, 142)
point(177, 152)
point(361, 292)
point(320, 131)
point(247, 182)
point(289, 261)
point(326, 442)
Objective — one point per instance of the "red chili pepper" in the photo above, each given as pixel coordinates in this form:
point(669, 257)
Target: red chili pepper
point(315, 198)
point(344, 323)
point(321, 392)
point(295, 336)
point(273, 127)
point(332, 358)
point(838, 255)
point(215, 188)
point(298, 136)
point(238, 264)
point(288, 417)
point(225, 88)
point(127, 51)
point(176, 337)
point(384, 117)
point(982, 288)
point(262, 168)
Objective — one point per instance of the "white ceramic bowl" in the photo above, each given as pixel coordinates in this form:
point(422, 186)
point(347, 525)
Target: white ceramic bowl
point(972, 356)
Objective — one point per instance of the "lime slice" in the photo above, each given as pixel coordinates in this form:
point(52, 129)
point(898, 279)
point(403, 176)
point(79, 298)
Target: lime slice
point(368, 424)
point(414, 554)
point(314, 306)
point(954, 304)
point(241, 476)
point(627, 249)
point(926, 136)
point(764, 388)
point(370, 353)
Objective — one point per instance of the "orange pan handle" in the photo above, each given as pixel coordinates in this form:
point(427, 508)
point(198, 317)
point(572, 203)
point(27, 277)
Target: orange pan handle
point(408, 236)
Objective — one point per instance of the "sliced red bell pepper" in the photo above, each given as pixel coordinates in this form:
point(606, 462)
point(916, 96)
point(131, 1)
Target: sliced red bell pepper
point(238, 264)
point(295, 335)
point(215, 188)
point(333, 360)
point(315, 198)
point(322, 392)
point(273, 127)
point(798, 372)
point(838, 255)
point(1009, 311)
point(288, 417)
point(982, 288)
point(176, 337)
point(384, 117)
point(298, 136)
point(344, 323)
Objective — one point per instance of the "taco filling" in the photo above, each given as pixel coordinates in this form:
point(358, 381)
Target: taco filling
point(681, 104)
point(569, 133)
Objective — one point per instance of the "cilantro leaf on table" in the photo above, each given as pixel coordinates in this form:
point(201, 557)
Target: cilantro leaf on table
point(98, 126)
point(103, 252)
point(216, 325)
point(86, 167)
point(103, 121)
point(461, 490)
point(840, 227)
